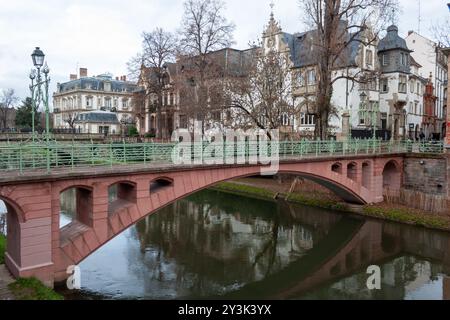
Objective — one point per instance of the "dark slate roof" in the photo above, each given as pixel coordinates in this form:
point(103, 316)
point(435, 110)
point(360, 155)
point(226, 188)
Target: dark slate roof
point(97, 84)
point(303, 51)
point(392, 41)
point(98, 117)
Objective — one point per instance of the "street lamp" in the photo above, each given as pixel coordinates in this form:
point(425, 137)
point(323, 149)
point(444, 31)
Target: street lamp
point(39, 95)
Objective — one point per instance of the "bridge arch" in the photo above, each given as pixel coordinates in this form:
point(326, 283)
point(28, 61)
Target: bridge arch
point(160, 184)
point(366, 174)
point(352, 171)
point(14, 218)
point(392, 176)
point(82, 205)
point(337, 167)
point(121, 194)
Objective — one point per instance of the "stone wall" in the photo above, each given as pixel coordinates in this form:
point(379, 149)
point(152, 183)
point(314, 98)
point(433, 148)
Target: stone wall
point(426, 184)
point(426, 174)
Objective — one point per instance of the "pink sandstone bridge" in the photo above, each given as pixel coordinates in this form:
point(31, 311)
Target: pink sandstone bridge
point(37, 246)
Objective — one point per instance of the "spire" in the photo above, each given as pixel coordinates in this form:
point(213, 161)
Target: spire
point(272, 5)
point(273, 27)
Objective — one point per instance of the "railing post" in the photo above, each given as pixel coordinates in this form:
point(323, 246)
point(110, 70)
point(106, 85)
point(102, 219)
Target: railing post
point(20, 160)
point(110, 154)
point(48, 158)
point(124, 152)
point(71, 155)
point(145, 152)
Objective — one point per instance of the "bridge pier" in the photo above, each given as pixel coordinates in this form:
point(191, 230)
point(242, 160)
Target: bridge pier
point(29, 235)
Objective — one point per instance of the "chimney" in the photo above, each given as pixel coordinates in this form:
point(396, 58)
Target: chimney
point(117, 78)
point(83, 72)
point(124, 78)
point(73, 77)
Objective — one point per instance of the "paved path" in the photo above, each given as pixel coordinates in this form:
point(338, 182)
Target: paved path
point(5, 279)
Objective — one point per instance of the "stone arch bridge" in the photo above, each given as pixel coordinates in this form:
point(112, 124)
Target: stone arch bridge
point(37, 246)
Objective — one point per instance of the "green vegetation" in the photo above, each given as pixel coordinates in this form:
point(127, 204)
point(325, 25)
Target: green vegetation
point(312, 201)
point(2, 248)
point(240, 189)
point(408, 216)
point(33, 289)
point(133, 131)
point(23, 115)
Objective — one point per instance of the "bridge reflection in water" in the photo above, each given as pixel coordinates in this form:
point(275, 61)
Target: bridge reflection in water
point(215, 245)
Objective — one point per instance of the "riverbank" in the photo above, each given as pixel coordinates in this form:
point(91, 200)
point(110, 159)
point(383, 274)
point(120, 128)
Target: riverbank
point(266, 189)
point(21, 289)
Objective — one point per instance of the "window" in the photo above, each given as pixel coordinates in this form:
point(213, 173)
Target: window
point(89, 102)
point(402, 84)
point(311, 77)
point(285, 119)
point(411, 86)
point(369, 58)
point(124, 103)
point(183, 122)
point(116, 103)
point(384, 85)
point(402, 59)
point(418, 88)
point(306, 119)
point(216, 115)
point(300, 79)
point(416, 107)
point(108, 102)
point(171, 99)
point(384, 59)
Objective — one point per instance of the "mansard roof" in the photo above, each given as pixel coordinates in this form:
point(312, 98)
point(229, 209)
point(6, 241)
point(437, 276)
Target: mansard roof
point(98, 117)
point(303, 50)
point(97, 84)
point(392, 41)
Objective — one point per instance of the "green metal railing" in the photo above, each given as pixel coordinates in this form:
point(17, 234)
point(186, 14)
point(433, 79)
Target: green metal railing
point(24, 156)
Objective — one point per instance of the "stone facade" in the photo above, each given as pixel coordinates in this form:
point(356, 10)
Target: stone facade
point(78, 98)
point(427, 175)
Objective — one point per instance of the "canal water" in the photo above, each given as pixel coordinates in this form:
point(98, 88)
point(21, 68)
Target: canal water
point(220, 246)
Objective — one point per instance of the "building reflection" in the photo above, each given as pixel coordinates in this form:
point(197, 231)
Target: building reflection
point(219, 245)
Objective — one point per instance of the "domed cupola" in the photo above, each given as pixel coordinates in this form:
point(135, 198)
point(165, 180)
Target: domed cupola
point(393, 52)
point(392, 41)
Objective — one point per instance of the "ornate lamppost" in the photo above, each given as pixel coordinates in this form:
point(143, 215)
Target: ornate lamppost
point(39, 89)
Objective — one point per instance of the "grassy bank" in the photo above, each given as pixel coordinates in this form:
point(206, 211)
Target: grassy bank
point(316, 201)
point(2, 248)
point(241, 189)
point(408, 216)
point(390, 213)
point(28, 289)
point(33, 289)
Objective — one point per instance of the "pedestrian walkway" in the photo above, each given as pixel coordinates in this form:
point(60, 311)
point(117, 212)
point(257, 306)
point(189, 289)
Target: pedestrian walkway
point(5, 280)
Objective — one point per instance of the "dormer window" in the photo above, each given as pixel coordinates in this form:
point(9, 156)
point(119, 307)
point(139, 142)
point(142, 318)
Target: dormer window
point(369, 58)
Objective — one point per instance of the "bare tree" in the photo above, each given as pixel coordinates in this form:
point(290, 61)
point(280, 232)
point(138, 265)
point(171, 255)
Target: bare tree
point(204, 29)
point(71, 118)
point(8, 99)
point(158, 48)
point(441, 32)
point(337, 24)
point(263, 96)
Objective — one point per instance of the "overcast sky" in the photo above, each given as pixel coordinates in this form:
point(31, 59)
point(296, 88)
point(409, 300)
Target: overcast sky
point(102, 35)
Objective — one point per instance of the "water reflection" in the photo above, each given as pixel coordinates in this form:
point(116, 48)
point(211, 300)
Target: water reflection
point(215, 245)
